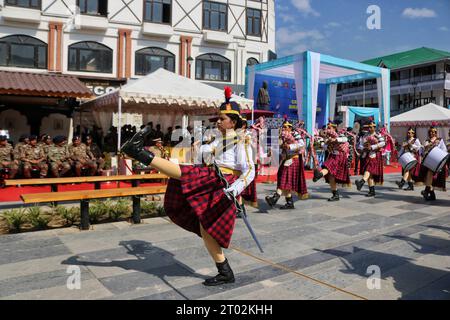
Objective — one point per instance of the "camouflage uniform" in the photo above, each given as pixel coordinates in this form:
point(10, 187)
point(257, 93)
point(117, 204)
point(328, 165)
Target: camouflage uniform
point(34, 153)
point(59, 159)
point(7, 160)
point(97, 155)
point(81, 158)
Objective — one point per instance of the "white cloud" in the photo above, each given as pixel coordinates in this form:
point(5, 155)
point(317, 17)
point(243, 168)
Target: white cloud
point(445, 29)
point(286, 17)
point(419, 13)
point(332, 25)
point(291, 41)
point(304, 6)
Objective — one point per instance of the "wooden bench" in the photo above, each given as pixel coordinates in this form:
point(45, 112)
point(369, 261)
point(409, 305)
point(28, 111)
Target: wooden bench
point(54, 182)
point(85, 196)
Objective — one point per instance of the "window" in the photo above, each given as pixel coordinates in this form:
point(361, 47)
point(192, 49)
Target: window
point(151, 59)
point(447, 68)
point(159, 11)
point(33, 4)
point(93, 7)
point(253, 22)
point(213, 67)
point(23, 52)
point(252, 61)
point(90, 57)
point(214, 16)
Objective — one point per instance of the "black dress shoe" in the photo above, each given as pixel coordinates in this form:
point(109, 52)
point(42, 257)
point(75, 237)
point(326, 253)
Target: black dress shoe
point(289, 204)
point(272, 200)
point(400, 183)
point(335, 196)
point(225, 275)
point(410, 187)
point(359, 184)
point(317, 175)
point(371, 193)
point(134, 148)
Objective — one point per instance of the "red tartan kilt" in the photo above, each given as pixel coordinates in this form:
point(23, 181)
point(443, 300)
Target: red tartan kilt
point(198, 197)
point(337, 165)
point(374, 166)
point(439, 179)
point(293, 177)
point(416, 171)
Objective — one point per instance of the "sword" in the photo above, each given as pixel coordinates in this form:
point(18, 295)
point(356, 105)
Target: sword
point(240, 209)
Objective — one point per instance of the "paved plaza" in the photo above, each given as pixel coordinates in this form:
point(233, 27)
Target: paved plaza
point(320, 250)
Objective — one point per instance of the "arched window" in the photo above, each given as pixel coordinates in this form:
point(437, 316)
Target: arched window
point(213, 67)
point(23, 51)
point(151, 59)
point(252, 61)
point(90, 57)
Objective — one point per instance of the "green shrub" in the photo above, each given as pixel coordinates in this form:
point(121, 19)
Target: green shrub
point(121, 208)
point(160, 211)
point(148, 208)
point(70, 215)
point(97, 209)
point(15, 219)
point(36, 217)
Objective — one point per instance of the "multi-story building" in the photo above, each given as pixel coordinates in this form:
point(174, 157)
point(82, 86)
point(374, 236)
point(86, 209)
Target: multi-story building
point(418, 77)
point(104, 43)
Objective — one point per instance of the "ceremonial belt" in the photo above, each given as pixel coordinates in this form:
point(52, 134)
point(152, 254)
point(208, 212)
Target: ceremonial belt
point(230, 171)
point(293, 157)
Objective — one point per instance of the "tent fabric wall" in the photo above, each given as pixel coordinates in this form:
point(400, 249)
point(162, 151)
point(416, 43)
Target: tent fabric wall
point(399, 132)
point(362, 112)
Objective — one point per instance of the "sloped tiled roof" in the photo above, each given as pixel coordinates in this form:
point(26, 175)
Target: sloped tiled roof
point(43, 85)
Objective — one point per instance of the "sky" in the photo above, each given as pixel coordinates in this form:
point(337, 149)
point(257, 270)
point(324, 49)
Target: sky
point(339, 27)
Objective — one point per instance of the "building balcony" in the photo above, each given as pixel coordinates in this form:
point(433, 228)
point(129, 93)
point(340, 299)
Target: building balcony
point(436, 81)
point(93, 22)
point(158, 30)
point(19, 14)
point(217, 37)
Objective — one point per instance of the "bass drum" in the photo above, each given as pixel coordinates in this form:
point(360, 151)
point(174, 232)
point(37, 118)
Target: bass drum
point(435, 159)
point(408, 161)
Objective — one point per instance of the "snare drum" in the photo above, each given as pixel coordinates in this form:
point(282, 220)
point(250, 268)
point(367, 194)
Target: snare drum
point(435, 159)
point(408, 161)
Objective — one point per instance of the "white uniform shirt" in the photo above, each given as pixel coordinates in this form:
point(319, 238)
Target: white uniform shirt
point(237, 156)
point(414, 147)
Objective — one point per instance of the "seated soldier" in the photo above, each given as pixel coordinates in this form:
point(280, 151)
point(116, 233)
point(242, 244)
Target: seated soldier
point(158, 149)
point(79, 155)
point(95, 153)
point(8, 165)
point(34, 158)
point(59, 157)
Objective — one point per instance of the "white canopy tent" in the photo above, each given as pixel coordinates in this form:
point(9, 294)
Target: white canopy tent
point(421, 118)
point(162, 97)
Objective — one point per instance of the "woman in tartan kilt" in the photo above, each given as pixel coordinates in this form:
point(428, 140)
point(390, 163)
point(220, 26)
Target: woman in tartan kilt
point(291, 173)
point(249, 195)
point(195, 198)
point(412, 145)
point(433, 181)
point(372, 166)
point(336, 167)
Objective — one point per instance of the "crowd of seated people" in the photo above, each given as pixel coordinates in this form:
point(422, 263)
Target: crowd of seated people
point(54, 157)
point(44, 156)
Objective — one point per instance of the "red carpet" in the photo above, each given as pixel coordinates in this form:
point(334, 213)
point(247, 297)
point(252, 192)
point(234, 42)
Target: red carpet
point(12, 194)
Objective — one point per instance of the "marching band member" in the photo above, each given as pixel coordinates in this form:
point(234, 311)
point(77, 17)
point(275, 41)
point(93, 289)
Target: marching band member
point(372, 164)
point(413, 145)
point(249, 195)
point(433, 180)
point(195, 197)
point(291, 173)
point(335, 169)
